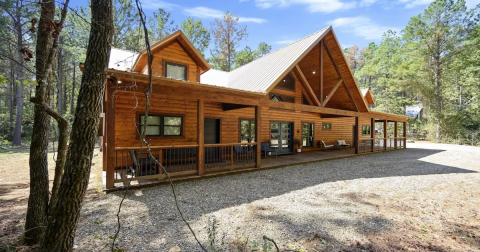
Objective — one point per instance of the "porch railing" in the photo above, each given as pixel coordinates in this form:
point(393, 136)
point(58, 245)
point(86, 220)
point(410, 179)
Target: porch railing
point(220, 157)
point(380, 144)
point(133, 163)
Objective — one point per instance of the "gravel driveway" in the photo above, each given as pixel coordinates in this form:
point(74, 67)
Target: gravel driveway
point(426, 197)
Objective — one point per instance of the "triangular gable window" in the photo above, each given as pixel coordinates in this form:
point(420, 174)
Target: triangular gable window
point(305, 100)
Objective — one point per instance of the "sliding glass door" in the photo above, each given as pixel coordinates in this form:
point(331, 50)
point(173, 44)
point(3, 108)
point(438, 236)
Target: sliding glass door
point(281, 133)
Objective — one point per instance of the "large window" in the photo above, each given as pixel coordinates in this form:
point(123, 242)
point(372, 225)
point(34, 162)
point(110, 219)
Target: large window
point(287, 83)
point(282, 98)
point(175, 71)
point(307, 133)
point(366, 130)
point(327, 126)
point(159, 125)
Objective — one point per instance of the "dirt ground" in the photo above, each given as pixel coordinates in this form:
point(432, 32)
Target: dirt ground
point(430, 208)
point(14, 189)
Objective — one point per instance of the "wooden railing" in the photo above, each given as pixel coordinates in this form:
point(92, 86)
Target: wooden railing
point(380, 144)
point(133, 163)
point(219, 157)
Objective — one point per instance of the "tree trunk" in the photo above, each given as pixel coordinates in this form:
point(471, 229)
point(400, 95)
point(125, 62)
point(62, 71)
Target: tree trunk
point(438, 100)
point(73, 89)
point(37, 211)
point(60, 79)
point(17, 135)
point(64, 218)
point(11, 97)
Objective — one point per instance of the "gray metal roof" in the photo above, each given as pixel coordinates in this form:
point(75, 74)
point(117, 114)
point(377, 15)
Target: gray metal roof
point(259, 75)
point(121, 59)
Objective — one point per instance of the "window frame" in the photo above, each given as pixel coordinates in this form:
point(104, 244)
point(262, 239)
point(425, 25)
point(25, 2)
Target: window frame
point(323, 126)
point(162, 125)
point(250, 120)
point(176, 64)
point(312, 136)
point(369, 130)
point(281, 97)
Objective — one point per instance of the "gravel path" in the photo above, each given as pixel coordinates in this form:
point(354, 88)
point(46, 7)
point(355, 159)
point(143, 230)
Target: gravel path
point(426, 197)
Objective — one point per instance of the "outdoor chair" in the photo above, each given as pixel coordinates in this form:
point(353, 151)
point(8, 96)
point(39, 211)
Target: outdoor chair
point(274, 144)
point(330, 146)
point(142, 166)
point(266, 148)
point(342, 144)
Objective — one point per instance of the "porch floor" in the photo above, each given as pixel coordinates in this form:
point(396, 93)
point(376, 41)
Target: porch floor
point(304, 157)
point(268, 162)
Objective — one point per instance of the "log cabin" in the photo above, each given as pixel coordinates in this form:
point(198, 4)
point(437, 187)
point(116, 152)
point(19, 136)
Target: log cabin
point(203, 121)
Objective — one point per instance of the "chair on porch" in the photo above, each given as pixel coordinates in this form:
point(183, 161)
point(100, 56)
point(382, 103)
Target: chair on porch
point(343, 144)
point(142, 166)
point(330, 146)
point(266, 148)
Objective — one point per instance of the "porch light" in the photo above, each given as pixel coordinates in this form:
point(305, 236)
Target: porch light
point(313, 72)
point(119, 81)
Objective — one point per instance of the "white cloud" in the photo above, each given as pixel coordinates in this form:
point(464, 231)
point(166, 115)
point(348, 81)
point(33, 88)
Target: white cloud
point(205, 12)
point(415, 3)
point(361, 26)
point(324, 6)
point(286, 41)
point(156, 4)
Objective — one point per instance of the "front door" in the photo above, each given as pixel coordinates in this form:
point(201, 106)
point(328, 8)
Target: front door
point(211, 136)
point(283, 132)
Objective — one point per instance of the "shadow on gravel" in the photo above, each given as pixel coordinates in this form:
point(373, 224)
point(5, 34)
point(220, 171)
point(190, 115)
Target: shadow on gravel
point(203, 197)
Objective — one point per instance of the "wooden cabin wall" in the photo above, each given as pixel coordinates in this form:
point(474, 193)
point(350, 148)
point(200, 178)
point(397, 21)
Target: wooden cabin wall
point(173, 53)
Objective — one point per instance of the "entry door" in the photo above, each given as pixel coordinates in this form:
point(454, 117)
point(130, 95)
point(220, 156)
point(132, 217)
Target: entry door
point(283, 132)
point(211, 136)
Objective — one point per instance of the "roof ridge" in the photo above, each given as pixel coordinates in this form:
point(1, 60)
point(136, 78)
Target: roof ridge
point(296, 41)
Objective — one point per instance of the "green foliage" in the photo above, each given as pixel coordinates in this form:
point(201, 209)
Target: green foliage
point(246, 55)
point(196, 33)
point(434, 61)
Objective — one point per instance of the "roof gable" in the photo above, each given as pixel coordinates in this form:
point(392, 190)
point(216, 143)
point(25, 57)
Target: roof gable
point(183, 41)
point(367, 95)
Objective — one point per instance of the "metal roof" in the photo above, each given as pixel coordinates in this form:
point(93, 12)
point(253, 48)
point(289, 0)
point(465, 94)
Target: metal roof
point(261, 74)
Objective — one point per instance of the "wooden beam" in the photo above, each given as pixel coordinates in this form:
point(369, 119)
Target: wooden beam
point(350, 95)
point(258, 135)
point(331, 92)
point(200, 136)
point(307, 86)
point(321, 72)
point(356, 138)
point(110, 143)
point(405, 135)
point(334, 62)
point(396, 133)
point(385, 134)
point(372, 132)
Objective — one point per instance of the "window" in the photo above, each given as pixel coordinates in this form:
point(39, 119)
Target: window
point(158, 125)
point(305, 100)
point(282, 98)
point(308, 129)
point(327, 126)
point(175, 71)
point(247, 131)
point(366, 130)
point(287, 83)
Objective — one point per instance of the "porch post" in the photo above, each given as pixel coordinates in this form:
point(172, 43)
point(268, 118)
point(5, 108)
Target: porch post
point(385, 134)
point(200, 136)
point(396, 134)
point(372, 132)
point(110, 130)
point(258, 135)
point(405, 134)
point(356, 140)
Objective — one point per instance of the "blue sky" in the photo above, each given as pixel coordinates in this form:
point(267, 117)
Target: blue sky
point(280, 22)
